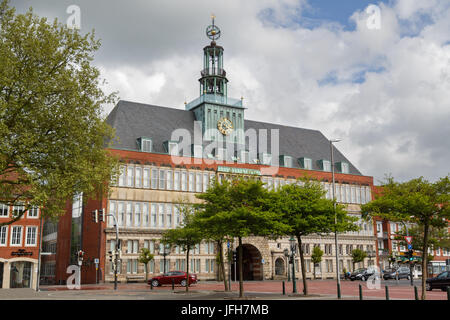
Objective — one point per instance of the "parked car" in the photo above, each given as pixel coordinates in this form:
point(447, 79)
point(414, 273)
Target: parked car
point(179, 277)
point(441, 281)
point(363, 274)
point(403, 273)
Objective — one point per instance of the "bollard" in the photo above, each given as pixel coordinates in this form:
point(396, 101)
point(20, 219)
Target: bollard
point(173, 284)
point(339, 290)
point(360, 293)
point(448, 293)
point(151, 285)
point(387, 292)
point(416, 294)
point(284, 288)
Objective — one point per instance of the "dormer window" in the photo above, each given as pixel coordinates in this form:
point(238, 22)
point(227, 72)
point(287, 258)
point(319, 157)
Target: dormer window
point(197, 151)
point(171, 147)
point(343, 167)
point(265, 158)
point(324, 165)
point(286, 161)
point(145, 144)
point(305, 163)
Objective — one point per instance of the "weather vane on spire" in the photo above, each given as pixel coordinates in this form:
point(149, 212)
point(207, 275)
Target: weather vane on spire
point(213, 31)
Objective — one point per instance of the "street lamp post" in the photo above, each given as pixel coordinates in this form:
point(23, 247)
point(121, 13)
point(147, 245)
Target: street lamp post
point(293, 250)
point(286, 254)
point(164, 254)
point(335, 220)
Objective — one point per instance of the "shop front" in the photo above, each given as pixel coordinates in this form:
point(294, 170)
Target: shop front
point(18, 273)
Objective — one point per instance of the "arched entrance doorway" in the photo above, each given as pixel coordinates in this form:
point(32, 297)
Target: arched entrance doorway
point(251, 262)
point(279, 267)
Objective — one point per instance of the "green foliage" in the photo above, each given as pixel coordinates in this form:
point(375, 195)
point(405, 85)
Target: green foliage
point(418, 202)
point(316, 255)
point(145, 256)
point(306, 211)
point(358, 255)
point(52, 133)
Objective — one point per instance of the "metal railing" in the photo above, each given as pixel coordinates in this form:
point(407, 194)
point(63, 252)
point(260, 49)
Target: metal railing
point(212, 98)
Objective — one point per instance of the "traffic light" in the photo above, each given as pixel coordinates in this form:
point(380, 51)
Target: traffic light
point(95, 216)
point(80, 255)
point(410, 255)
point(111, 255)
point(101, 216)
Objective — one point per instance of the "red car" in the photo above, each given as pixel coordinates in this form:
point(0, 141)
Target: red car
point(179, 277)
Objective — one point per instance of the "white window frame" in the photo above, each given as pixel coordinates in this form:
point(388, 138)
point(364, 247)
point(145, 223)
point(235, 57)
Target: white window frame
point(123, 176)
point(154, 178)
point(146, 178)
point(4, 243)
point(138, 177)
point(176, 180)
point(2, 207)
point(35, 212)
point(130, 176)
point(12, 236)
point(27, 236)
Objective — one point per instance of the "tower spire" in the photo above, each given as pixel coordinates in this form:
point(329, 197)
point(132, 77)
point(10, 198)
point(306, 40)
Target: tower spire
point(213, 80)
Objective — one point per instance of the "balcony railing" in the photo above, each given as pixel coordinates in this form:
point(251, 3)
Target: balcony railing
point(213, 98)
point(213, 72)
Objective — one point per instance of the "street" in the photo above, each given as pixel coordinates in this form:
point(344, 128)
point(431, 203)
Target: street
point(213, 290)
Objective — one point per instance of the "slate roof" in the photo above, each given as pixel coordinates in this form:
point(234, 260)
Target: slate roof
point(134, 120)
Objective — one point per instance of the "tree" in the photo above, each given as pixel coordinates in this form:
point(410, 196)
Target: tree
point(358, 255)
point(305, 210)
point(245, 213)
point(215, 199)
point(418, 202)
point(186, 237)
point(316, 258)
point(145, 257)
point(52, 133)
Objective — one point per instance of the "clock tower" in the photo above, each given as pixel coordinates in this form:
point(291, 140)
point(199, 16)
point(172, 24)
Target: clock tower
point(222, 117)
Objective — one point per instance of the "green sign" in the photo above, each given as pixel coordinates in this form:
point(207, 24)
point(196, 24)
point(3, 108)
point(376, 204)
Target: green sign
point(238, 170)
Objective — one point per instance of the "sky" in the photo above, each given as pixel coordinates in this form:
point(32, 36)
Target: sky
point(375, 74)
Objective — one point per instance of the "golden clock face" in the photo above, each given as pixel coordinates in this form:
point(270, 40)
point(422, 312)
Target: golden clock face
point(225, 126)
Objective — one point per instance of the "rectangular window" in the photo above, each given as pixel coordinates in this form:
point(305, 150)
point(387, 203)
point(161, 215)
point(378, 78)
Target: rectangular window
point(168, 215)
point(130, 176)
point(162, 179)
point(326, 165)
point(152, 246)
point(3, 235)
point(137, 214)
point(31, 236)
point(345, 167)
point(154, 178)
point(16, 236)
point(161, 216)
point(121, 213)
point(191, 181)
point(145, 213)
point(184, 181)
point(129, 213)
point(198, 184)
point(176, 213)
point(17, 210)
point(33, 212)
point(307, 163)
point(348, 193)
point(138, 177)
point(169, 179)
point(146, 178)
point(176, 181)
point(4, 210)
point(353, 195)
point(154, 213)
point(123, 176)
point(146, 145)
point(205, 181)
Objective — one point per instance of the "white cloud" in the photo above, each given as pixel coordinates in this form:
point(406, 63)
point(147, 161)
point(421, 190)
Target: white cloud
point(385, 92)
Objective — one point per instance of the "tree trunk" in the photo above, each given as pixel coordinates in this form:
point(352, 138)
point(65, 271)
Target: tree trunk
point(222, 263)
point(187, 269)
point(424, 259)
point(302, 263)
point(314, 270)
point(146, 272)
point(241, 271)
